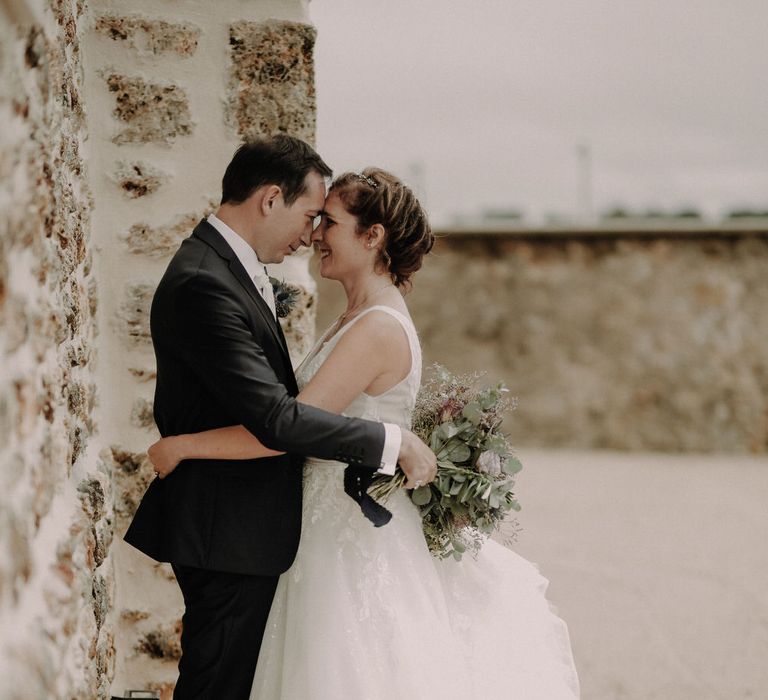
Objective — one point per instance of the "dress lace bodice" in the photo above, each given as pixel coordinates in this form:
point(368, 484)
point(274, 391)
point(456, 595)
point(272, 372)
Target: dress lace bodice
point(324, 497)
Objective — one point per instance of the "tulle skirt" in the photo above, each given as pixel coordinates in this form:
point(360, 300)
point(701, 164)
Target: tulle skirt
point(367, 613)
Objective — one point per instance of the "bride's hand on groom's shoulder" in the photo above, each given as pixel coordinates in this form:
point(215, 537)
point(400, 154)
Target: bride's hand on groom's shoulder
point(417, 460)
point(165, 455)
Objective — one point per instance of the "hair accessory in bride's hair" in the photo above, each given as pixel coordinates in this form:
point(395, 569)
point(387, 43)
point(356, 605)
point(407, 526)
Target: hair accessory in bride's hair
point(367, 180)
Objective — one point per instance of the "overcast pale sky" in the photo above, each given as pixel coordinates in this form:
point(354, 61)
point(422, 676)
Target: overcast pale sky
point(482, 103)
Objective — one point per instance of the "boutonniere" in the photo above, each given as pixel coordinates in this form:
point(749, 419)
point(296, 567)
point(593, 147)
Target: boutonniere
point(286, 296)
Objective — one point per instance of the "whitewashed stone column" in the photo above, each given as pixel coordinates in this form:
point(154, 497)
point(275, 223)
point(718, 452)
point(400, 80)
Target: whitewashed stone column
point(172, 89)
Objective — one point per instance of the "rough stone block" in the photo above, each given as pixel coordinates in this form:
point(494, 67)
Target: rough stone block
point(162, 643)
point(271, 83)
point(78, 354)
point(164, 690)
point(164, 571)
point(103, 657)
point(127, 462)
point(133, 616)
point(79, 400)
point(132, 475)
point(74, 304)
point(138, 179)
point(101, 600)
point(133, 315)
point(143, 374)
point(97, 526)
point(78, 438)
point(92, 498)
point(153, 112)
point(150, 36)
point(160, 241)
point(141, 414)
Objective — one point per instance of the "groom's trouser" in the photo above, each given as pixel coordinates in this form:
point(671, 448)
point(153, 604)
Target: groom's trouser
point(223, 624)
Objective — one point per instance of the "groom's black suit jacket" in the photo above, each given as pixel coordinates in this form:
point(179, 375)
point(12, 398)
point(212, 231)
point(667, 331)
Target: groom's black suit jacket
point(222, 360)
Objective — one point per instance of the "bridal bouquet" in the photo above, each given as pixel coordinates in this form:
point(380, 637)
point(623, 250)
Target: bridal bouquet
point(475, 466)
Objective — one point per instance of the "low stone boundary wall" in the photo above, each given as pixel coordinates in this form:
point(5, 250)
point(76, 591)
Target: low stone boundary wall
point(624, 339)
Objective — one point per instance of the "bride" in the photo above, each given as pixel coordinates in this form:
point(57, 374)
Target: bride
point(367, 613)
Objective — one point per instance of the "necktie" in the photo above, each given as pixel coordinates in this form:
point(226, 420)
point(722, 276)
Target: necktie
point(261, 280)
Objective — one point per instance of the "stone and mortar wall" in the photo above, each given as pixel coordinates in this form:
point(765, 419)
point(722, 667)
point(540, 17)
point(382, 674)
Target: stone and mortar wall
point(56, 516)
point(653, 342)
point(172, 89)
point(117, 126)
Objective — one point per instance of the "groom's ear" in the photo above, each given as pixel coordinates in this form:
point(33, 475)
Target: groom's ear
point(270, 196)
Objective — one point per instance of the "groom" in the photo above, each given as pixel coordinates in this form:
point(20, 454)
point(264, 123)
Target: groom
point(230, 528)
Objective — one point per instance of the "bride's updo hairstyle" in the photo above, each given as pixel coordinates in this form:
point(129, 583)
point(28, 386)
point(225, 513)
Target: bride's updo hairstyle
point(378, 197)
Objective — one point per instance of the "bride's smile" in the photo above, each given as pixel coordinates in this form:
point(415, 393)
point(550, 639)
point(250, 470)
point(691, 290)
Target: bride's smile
point(344, 250)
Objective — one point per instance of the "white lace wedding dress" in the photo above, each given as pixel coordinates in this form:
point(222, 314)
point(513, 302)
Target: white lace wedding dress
point(367, 613)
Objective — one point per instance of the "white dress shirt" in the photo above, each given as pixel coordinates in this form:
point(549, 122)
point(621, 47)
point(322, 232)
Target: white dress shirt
point(250, 261)
point(256, 271)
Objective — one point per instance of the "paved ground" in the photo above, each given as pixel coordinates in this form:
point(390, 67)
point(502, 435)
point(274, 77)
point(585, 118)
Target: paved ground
point(659, 564)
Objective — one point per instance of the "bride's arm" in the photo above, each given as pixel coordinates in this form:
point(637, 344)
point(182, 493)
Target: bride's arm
point(375, 348)
point(233, 442)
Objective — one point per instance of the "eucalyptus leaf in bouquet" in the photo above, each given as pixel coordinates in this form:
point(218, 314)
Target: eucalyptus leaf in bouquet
point(473, 491)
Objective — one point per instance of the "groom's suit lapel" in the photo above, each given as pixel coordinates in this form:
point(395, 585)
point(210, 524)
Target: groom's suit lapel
point(207, 233)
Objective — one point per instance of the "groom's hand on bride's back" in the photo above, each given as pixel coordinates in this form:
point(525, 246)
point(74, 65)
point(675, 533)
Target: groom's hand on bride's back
point(417, 461)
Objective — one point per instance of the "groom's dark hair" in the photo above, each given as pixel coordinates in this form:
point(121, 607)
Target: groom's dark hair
point(272, 160)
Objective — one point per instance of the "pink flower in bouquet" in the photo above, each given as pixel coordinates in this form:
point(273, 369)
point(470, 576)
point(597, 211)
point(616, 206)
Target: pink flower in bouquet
point(451, 409)
point(489, 463)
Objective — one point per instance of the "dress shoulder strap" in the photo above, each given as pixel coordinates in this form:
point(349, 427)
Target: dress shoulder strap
point(410, 331)
point(399, 315)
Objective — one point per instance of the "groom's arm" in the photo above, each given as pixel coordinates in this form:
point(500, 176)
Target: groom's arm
point(212, 333)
